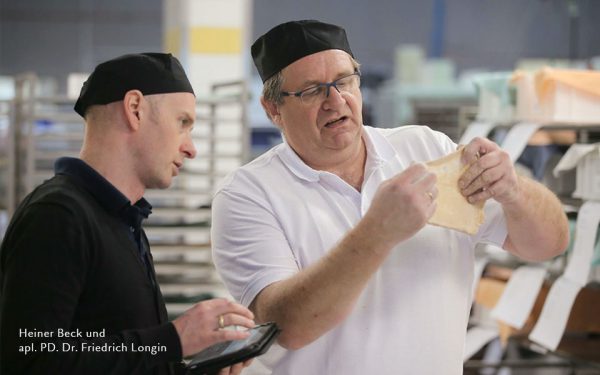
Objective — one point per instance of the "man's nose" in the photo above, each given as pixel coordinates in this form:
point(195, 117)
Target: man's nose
point(333, 98)
point(189, 149)
point(329, 87)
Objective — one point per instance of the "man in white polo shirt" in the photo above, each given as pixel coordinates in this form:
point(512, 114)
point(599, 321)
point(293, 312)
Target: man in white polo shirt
point(327, 233)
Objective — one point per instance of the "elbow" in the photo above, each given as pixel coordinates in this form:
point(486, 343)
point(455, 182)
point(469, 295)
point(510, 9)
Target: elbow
point(540, 251)
point(565, 238)
point(540, 247)
point(291, 340)
point(562, 239)
point(296, 336)
point(551, 250)
point(291, 343)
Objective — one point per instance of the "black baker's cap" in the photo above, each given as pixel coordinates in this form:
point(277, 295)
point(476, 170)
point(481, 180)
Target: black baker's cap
point(151, 73)
point(291, 41)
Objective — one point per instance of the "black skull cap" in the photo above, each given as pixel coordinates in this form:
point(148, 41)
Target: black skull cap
point(151, 73)
point(291, 41)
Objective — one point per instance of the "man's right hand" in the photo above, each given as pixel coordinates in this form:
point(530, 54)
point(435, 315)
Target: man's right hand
point(201, 326)
point(403, 204)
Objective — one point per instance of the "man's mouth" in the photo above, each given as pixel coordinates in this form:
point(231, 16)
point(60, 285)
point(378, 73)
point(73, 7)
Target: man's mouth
point(335, 122)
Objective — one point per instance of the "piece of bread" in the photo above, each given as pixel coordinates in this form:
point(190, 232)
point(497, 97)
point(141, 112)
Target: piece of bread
point(453, 210)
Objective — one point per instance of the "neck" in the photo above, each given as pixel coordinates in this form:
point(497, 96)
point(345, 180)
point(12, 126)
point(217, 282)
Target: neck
point(350, 168)
point(115, 168)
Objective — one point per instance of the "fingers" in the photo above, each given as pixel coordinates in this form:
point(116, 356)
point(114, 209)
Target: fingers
point(412, 174)
point(230, 335)
point(235, 369)
point(201, 325)
point(224, 306)
point(490, 174)
point(234, 319)
point(432, 194)
point(484, 178)
point(403, 204)
point(483, 194)
point(233, 314)
point(236, 308)
point(226, 313)
point(422, 182)
point(418, 175)
point(425, 184)
point(475, 149)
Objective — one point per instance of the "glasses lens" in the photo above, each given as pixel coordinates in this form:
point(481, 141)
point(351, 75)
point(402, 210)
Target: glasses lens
point(348, 83)
point(317, 93)
point(311, 95)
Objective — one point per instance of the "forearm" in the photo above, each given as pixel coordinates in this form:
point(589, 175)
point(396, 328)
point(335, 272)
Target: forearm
point(537, 225)
point(321, 296)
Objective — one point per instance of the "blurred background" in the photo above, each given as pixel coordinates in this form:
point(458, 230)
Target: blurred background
point(463, 67)
point(57, 37)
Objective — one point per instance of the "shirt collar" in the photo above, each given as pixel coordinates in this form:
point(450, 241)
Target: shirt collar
point(295, 164)
point(379, 150)
point(102, 190)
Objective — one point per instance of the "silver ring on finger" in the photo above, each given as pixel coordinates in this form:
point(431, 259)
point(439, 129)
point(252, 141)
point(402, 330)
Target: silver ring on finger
point(430, 195)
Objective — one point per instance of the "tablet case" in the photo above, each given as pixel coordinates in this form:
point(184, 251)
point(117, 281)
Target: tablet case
point(205, 363)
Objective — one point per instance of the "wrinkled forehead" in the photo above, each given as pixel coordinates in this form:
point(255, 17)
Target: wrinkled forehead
point(319, 66)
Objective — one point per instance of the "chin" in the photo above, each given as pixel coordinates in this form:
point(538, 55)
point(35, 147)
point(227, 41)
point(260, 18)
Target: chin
point(161, 184)
point(346, 139)
point(166, 184)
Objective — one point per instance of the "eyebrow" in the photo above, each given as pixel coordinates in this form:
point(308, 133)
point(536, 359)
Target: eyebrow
point(188, 116)
point(312, 82)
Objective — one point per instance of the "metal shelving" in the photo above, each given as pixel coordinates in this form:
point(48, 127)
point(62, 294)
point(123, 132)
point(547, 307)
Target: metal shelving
point(7, 196)
point(42, 129)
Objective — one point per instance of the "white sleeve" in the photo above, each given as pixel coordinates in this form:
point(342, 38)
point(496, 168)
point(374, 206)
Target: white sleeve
point(249, 247)
point(494, 228)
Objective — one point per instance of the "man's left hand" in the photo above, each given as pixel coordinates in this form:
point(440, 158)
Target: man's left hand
point(491, 173)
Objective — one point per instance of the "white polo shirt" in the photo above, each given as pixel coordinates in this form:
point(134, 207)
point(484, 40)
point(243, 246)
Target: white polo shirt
point(276, 216)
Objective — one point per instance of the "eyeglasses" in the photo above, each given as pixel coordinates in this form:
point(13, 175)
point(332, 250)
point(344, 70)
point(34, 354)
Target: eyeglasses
point(319, 92)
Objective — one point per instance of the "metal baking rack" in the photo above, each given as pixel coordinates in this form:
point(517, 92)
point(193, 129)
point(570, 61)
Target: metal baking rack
point(41, 129)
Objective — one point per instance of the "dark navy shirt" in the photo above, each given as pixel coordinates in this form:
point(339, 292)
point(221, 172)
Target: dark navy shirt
point(112, 200)
point(75, 258)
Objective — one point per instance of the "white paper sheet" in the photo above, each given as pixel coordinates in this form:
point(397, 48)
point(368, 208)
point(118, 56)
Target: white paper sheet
point(580, 261)
point(519, 296)
point(517, 138)
point(551, 325)
point(476, 338)
point(476, 129)
point(572, 157)
point(480, 264)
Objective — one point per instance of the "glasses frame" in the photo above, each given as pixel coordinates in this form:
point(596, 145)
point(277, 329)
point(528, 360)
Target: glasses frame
point(326, 85)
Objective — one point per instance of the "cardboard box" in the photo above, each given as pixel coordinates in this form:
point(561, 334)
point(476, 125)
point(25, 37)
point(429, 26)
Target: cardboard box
point(558, 96)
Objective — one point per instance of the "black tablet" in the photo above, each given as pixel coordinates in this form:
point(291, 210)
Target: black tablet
point(228, 353)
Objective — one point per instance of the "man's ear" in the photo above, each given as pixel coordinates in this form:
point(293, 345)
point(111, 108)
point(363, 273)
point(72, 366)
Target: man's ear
point(272, 111)
point(132, 107)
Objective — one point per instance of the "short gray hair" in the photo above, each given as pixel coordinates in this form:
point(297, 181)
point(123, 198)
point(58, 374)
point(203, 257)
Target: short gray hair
point(272, 89)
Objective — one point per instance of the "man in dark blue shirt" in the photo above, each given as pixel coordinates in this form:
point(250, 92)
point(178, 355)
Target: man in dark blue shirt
point(78, 293)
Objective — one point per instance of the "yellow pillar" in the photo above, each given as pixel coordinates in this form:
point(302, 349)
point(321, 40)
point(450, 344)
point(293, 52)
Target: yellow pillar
point(210, 37)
